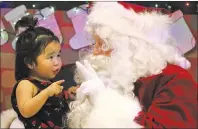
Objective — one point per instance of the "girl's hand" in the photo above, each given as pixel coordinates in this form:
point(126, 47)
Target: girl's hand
point(55, 88)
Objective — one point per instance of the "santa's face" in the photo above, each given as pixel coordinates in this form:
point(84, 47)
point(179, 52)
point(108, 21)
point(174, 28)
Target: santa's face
point(97, 57)
point(97, 50)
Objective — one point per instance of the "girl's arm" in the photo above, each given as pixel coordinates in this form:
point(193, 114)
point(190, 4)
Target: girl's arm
point(29, 105)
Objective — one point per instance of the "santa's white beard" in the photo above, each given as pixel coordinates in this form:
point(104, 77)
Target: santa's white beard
point(99, 63)
point(111, 110)
point(117, 106)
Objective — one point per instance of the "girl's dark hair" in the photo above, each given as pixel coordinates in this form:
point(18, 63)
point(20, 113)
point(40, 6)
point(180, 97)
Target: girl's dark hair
point(30, 44)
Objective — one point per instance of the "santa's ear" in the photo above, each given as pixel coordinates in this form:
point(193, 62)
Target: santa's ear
point(29, 63)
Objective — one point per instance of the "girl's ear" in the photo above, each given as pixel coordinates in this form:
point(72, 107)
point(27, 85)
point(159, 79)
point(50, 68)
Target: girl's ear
point(29, 63)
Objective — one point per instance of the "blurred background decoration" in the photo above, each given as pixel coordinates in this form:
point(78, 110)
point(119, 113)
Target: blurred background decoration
point(67, 20)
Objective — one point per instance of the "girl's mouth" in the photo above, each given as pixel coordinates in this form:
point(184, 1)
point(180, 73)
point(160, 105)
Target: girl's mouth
point(56, 71)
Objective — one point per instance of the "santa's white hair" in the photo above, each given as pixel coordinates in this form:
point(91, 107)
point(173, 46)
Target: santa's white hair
point(142, 46)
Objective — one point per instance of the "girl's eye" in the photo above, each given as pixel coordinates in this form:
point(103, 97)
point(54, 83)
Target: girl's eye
point(51, 57)
point(58, 55)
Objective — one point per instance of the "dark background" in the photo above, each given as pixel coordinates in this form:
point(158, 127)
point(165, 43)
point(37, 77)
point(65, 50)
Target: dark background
point(192, 8)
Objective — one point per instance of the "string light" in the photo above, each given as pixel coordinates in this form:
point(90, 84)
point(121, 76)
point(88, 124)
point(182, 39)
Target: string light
point(33, 5)
point(187, 4)
point(156, 5)
point(169, 7)
point(27, 14)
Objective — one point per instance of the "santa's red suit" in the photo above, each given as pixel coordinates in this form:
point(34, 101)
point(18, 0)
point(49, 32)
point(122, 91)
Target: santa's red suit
point(169, 99)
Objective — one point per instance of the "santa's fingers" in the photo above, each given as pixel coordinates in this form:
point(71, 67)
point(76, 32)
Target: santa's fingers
point(82, 87)
point(80, 96)
point(83, 70)
point(90, 68)
point(88, 87)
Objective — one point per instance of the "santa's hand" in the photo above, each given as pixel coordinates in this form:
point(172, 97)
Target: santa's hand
point(86, 70)
point(92, 85)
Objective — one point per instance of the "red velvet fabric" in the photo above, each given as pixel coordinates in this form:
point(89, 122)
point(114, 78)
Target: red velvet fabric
point(169, 99)
point(139, 8)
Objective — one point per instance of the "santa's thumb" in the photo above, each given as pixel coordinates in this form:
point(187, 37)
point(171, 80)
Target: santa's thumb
point(83, 70)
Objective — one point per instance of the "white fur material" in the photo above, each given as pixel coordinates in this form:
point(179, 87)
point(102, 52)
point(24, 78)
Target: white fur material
point(7, 118)
point(142, 47)
point(113, 110)
point(111, 22)
point(149, 26)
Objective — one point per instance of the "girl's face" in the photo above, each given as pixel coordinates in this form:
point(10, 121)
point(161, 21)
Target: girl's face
point(48, 62)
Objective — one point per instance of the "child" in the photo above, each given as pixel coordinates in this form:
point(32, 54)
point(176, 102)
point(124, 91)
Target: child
point(38, 102)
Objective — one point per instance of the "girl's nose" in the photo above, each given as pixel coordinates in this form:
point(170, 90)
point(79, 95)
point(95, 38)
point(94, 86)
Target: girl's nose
point(56, 61)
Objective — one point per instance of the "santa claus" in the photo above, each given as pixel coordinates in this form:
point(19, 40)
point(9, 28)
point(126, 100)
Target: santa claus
point(134, 77)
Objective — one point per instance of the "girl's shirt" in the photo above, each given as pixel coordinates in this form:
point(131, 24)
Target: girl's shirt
point(51, 116)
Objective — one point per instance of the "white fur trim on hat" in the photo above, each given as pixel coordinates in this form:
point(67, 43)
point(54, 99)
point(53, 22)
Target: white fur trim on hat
point(150, 26)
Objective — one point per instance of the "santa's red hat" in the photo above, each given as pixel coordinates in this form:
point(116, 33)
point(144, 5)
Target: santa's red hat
point(130, 20)
point(139, 8)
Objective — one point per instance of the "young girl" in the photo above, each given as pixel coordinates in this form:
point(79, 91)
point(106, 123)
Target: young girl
point(38, 102)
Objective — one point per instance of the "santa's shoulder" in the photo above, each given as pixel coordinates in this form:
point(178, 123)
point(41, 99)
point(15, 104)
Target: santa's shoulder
point(170, 71)
point(171, 80)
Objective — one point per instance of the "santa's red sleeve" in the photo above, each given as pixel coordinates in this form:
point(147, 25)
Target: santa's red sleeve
point(174, 104)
